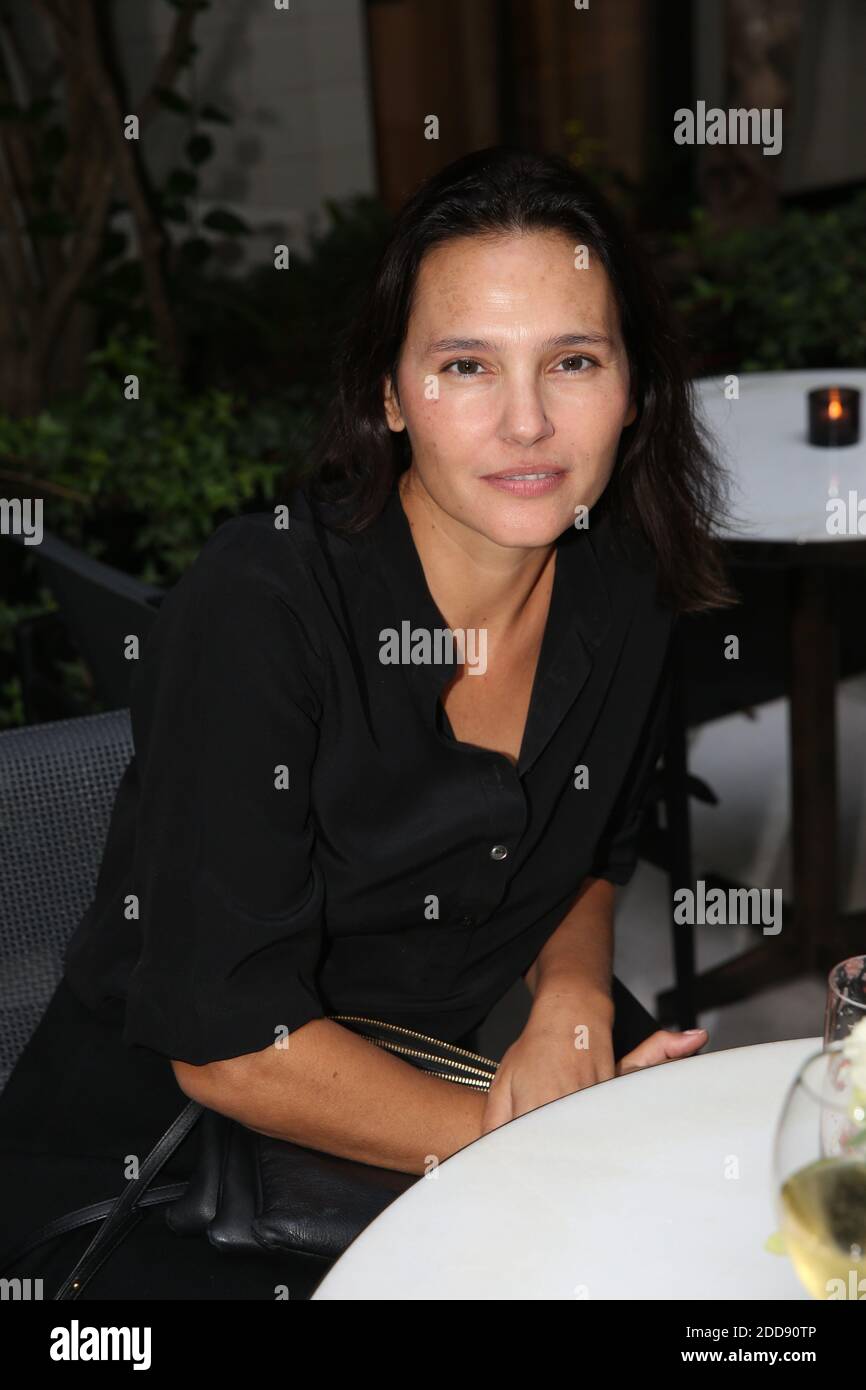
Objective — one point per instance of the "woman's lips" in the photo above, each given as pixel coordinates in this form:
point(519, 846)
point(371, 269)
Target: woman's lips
point(526, 487)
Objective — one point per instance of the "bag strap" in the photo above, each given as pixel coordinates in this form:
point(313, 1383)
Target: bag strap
point(84, 1216)
point(126, 1211)
point(119, 1215)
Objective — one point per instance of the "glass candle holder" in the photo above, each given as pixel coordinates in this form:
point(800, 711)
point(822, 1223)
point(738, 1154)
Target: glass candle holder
point(834, 416)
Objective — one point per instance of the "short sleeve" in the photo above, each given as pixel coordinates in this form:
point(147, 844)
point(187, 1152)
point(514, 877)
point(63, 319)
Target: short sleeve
point(225, 709)
point(617, 852)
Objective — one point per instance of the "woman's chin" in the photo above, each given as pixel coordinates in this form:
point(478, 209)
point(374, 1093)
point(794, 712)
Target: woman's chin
point(523, 523)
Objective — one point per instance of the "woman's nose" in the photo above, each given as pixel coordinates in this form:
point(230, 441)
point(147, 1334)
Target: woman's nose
point(524, 419)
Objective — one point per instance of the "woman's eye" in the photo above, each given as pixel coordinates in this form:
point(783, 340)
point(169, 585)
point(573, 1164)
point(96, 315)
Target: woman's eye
point(576, 357)
point(462, 362)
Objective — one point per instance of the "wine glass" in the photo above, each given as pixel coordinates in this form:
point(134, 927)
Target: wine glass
point(846, 998)
point(819, 1166)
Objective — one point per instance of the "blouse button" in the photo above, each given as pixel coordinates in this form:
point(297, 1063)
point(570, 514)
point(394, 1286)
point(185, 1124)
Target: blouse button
point(498, 852)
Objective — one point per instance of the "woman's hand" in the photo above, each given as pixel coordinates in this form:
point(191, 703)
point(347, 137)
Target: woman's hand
point(545, 1064)
point(663, 1046)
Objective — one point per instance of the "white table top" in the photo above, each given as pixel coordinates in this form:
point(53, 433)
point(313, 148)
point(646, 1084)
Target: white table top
point(619, 1191)
point(781, 482)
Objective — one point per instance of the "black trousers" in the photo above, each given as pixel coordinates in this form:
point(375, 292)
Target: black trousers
point(77, 1106)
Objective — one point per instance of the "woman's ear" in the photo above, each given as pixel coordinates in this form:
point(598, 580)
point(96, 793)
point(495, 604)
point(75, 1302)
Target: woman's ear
point(393, 413)
point(632, 414)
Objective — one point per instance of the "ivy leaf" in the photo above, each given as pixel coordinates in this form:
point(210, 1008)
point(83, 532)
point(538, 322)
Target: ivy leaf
point(114, 243)
point(196, 250)
point(174, 211)
point(199, 148)
point(173, 101)
point(212, 113)
point(181, 182)
point(220, 220)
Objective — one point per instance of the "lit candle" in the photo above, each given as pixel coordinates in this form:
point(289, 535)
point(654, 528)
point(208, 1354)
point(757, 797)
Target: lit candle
point(834, 416)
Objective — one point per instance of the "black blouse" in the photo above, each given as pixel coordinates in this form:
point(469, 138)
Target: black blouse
point(299, 833)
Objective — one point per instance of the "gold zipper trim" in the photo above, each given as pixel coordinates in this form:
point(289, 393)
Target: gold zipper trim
point(410, 1032)
point(483, 1085)
point(429, 1056)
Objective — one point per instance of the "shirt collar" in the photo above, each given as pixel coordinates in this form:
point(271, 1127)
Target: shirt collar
point(578, 619)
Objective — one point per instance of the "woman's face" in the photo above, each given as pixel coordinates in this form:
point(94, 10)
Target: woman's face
point(513, 363)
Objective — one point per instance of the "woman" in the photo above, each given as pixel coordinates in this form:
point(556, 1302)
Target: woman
point(392, 755)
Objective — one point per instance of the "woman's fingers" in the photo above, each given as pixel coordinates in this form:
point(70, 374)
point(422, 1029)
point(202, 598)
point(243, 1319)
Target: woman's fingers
point(662, 1046)
point(665, 1045)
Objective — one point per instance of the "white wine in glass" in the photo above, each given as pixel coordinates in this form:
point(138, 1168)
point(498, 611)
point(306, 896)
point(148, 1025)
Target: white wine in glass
point(820, 1176)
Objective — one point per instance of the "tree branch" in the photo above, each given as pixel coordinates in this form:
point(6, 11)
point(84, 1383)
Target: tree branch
point(22, 273)
point(85, 253)
point(170, 62)
point(150, 235)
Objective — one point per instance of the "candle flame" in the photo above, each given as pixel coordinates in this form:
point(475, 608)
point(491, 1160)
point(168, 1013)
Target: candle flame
point(834, 409)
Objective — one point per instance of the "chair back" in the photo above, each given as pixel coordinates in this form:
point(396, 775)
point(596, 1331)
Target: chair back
point(101, 607)
point(57, 789)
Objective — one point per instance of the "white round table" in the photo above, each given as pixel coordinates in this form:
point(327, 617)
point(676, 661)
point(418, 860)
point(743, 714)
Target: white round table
point(781, 482)
point(654, 1185)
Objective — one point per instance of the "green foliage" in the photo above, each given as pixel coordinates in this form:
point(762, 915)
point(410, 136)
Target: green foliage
point(142, 483)
point(172, 462)
point(11, 704)
point(11, 694)
point(116, 287)
point(593, 157)
point(785, 296)
point(266, 326)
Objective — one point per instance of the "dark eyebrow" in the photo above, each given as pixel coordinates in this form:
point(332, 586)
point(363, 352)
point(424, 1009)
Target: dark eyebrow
point(483, 345)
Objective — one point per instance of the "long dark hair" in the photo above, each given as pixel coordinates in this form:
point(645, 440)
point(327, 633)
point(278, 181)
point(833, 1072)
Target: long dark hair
point(665, 482)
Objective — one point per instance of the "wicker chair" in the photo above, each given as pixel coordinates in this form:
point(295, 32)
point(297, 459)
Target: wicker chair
point(57, 787)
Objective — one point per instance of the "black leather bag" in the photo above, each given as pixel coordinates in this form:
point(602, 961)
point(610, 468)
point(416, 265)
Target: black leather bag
point(249, 1192)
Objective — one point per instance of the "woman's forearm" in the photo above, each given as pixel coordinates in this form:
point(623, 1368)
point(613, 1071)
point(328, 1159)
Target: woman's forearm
point(332, 1090)
point(576, 961)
